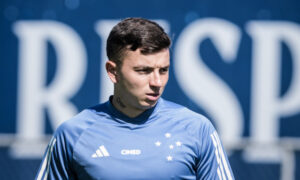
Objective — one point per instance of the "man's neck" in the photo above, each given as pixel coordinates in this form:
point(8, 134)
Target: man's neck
point(125, 109)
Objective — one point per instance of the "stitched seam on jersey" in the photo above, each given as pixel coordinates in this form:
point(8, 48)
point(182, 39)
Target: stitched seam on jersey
point(75, 144)
point(196, 135)
point(206, 128)
point(201, 145)
point(205, 142)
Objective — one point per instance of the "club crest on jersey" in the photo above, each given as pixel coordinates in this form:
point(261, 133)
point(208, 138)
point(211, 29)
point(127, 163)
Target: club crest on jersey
point(172, 145)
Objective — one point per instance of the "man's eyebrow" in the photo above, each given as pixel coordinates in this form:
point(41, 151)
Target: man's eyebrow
point(143, 67)
point(150, 67)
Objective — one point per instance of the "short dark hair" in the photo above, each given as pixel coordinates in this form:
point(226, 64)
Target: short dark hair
point(134, 33)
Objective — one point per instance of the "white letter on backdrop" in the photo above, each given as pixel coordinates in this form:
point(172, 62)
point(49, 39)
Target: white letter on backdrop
point(267, 106)
point(200, 83)
point(33, 94)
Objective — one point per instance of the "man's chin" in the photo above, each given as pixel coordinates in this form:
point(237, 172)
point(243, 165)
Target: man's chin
point(147, 104)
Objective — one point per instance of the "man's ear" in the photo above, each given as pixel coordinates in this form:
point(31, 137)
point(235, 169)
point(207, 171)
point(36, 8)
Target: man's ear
point(111, 69)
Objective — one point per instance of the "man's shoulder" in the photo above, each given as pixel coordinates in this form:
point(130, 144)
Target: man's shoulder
point(185, 117)
point(167, 105)
point(180, 109)
point(71, 130)
point(183, 113)
point(77, 123)
point(84, 119)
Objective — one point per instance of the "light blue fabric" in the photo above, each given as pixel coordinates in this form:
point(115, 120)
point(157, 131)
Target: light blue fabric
point(168, 141)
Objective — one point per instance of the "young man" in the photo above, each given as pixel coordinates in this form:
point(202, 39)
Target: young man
point(136, 134)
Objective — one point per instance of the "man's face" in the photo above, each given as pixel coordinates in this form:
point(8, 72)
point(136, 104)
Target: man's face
point(142, 78)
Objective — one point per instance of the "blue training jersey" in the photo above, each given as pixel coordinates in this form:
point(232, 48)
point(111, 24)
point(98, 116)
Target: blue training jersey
point(167, 141)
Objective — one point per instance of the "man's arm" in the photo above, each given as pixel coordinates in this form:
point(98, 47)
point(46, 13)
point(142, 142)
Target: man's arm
point(56, 161)
point(213, 162)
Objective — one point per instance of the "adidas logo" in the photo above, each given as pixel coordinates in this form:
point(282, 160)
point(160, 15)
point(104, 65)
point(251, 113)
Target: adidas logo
point(100, 152)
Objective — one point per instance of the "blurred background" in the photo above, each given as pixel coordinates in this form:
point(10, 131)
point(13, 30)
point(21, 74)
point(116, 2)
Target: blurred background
point(237, 62)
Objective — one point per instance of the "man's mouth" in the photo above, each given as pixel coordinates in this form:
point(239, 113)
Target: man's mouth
point(152, 96)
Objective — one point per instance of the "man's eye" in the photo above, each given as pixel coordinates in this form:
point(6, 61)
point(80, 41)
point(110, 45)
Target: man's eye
point(143, 71)
point(164, 70)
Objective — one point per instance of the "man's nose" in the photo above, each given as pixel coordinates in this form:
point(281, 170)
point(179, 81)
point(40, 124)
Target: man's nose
point(155, 79)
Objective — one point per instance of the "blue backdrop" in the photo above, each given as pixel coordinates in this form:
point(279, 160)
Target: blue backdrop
point(237, 62)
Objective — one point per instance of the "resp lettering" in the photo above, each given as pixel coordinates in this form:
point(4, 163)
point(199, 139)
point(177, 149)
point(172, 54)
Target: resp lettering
point(267, 105)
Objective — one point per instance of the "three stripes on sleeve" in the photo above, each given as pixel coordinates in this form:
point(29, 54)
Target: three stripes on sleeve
point(223, 170)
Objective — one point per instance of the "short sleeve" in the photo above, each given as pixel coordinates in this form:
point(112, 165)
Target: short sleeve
point(213, 162)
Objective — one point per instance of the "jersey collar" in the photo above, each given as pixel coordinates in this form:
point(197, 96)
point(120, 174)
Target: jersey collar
point(144, 118)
